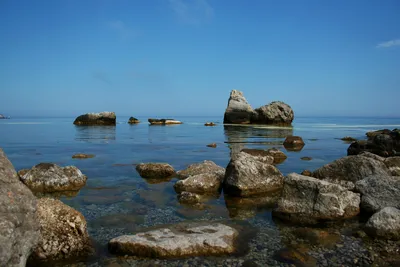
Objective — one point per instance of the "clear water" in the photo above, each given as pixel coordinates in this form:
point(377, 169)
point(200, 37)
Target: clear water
point(114, 186)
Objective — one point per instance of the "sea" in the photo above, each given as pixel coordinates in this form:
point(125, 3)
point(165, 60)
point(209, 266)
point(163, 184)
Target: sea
point(116, 200)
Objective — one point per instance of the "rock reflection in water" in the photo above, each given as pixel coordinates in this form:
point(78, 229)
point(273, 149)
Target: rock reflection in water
point(240, 136)
point(95, 133)
point(59, 194)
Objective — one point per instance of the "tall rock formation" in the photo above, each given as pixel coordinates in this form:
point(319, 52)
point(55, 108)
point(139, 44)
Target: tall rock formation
point(238, 110)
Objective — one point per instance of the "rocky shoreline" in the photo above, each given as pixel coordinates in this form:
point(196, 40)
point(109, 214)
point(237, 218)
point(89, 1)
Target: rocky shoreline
point(345, 213)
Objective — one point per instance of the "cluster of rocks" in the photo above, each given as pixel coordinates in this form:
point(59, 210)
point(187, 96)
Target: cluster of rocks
point(239, 111)
point(39, 230)
point(385, 143)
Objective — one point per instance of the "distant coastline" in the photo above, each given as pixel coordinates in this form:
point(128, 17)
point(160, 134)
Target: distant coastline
point(3, 117)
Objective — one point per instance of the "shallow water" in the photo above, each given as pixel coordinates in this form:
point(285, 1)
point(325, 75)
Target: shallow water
point(116, 200)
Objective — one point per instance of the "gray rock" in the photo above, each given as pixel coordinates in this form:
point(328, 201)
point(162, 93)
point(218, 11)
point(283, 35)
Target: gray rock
point(102, 118)
point(309, 200)
point(393, 163)
point(199, 168)
point(260, 155)
point(19, 231)
point(238, 110)
point(385, 224)
point(246, 176)
point(378, 192)
point(155, 170)
point(181, 240)
point(351, 169)
point(49, 177)
point(63, 233)
point(275, 113)
point(205, 183)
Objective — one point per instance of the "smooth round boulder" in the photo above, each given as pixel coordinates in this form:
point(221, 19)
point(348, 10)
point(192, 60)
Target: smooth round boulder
point(293, 143)
point(155, 170)
point(49, 177)
point(275, 113)
point(384, 224)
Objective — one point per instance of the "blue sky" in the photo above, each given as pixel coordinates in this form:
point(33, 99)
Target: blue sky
point(183, 57)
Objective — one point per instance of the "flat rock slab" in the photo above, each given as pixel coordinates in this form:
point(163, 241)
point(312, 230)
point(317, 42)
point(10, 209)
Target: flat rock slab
point(155, 170)
point(181, 240)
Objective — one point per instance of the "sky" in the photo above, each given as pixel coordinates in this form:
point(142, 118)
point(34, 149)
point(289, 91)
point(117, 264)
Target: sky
point(183, 57)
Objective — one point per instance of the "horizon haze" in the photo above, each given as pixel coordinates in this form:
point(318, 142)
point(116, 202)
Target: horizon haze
point(183, 57)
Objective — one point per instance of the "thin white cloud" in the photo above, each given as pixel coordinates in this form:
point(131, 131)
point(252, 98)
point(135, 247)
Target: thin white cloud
point(389, 43)
point(192, 11)
point(121, 29)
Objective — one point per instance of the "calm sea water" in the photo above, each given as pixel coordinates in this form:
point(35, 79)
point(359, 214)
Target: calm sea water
point(114, 186)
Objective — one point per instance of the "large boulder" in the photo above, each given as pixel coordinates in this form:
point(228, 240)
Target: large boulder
point(238, 110)
point(348, 170)
point(181, 240)
point(275, 113)
point(155, 170)
point(385, 224)
point(384, 143)
point(49, 177)
point(19, 230)
point(206, 166)
point(63, 233)
point(102, 118)
point(378, 192)
point(206, 183)
point(309, 200)
point(247, 176)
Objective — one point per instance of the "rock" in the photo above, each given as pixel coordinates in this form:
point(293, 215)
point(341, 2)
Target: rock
point(385, 224)
point(378, 192)
point(209, 124)
point(22, 172)
point(83, 156)
point(348, 170)
point(393, 163)
point(188, 198)
point(384, 143)
point(348, 139)
point(19, 231)
point(133, 120)
point(293, 143)
point(49, 177)
point(260, 155)
point(238, 110)
point(163, 121)
point(213, 145)
point(200, 168)
point(102, 118)
point(306, 158)
point(155, 170)
point(181, 240)
point(306, 173)
point(275, 113)
point(205, 183)
point(294, 257)
point(309, 200)
point(278, 155)
point(63, 233)
point(246, 176)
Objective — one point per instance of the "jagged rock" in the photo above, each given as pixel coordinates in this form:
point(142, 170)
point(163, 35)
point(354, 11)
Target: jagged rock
point(19, 231)
point(102, 118)
point(393, 163)
point(309, 200)
point(293, 143)
point(384, 143)
point(133, 120)
point(163, 121)
point(246, 176)
point(348, 170)
point(49, 177)
point(238, 110)
point(63, 233)
point(181, 240)
point(379, 191)
point(83, 156)
point(275, 113)
point(204, 183)
point(385, 224)
point(200, 168)
point(155, 170)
